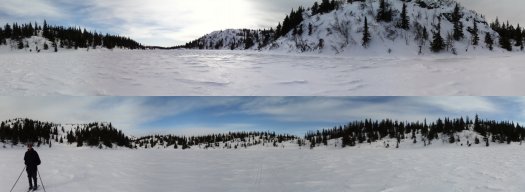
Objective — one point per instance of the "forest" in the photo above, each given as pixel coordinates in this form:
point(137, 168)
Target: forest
point(104, 135)
point(62, 37)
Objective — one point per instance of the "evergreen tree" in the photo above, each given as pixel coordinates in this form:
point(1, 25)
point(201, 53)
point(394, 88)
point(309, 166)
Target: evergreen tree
point(458, 25)
point(278, 30)
point(405, 21)
point(438, 43)
point(55, 46)
point(505, 43)
point(315, 8)
point(20, 44)
point(518, 36)
point(475, 36)
point(385, 12)
point(488, 41)
point(366, 34)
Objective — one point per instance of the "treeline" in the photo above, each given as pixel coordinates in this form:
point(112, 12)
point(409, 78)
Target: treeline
point(248, 38)
point(292, 22)
point(244, 39)
point(98, 135)
point(25, 130)
point(509, 35)
point(368, 131)
point(231, 140)
point(63, 37)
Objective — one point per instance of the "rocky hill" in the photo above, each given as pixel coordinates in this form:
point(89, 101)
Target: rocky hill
point(406, 27)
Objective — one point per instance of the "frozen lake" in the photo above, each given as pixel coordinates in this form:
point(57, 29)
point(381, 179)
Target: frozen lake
point(439, 169)
point(232, 73)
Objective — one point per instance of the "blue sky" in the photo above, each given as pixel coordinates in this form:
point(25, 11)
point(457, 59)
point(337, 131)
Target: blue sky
point(173, 22)
point(295, 115)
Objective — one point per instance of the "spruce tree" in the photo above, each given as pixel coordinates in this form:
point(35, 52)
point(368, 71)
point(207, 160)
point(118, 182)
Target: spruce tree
point(518, 36)
point(405, 21)
point(315, 8)
point(475, 36)
point(278, 31)
point(20, 44)
point(458, 25)
point(366, 34)
point(385, 12)
point(438, 43)
point(504, 42)
point(489, 41)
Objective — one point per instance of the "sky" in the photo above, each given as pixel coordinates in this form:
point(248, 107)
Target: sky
point(141, 116)
point(175, 22)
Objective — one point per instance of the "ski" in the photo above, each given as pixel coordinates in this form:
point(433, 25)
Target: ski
point(30, 190)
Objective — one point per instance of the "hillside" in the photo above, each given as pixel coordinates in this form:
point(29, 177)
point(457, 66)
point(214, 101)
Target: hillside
point(401, 27)
point(33, 37)
point(384, 133)
point(22, 130)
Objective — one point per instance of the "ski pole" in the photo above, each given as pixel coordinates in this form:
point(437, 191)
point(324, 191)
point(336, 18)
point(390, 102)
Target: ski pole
point(41, 181)
point(18, 179)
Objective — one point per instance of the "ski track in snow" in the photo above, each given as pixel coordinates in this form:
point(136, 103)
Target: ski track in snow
point(450, 168)
point(233, 73)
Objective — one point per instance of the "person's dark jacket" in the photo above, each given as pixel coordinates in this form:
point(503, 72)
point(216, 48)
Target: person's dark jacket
point(32, 160)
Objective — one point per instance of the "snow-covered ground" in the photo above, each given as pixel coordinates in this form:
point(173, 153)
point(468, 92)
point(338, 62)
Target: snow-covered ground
point(195, 72)
point(443, 168)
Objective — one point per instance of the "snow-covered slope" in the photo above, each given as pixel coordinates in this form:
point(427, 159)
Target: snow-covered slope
point(340, 31)
point(478, 169)
point(16, 132)
point(233, 39)
point(103, 135)
point(39, 44)
point(32, 44)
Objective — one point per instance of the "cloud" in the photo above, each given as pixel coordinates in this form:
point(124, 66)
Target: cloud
point(348, 108)
point(460, 104)
point(124, 113)
point(198, 115)
point(504, 9)
point(173, 22)
point(30, 9)
point(127, 113)
point(157, 22)
point(202, 128)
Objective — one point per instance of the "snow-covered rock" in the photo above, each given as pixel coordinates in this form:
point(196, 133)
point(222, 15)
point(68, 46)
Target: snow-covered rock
point(340, 31)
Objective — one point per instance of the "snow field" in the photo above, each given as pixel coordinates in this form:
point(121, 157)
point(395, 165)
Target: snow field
point(234, 73)
point(445, 168)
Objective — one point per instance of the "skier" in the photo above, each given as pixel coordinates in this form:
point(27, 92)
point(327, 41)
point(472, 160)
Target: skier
point(32, 160)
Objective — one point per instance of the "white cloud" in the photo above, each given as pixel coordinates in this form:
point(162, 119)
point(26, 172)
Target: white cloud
point(202, 128)
point(347, 108)
point(171, 22)
point(126, 113)
point(460, 104)
point(176, 21)
point(139, 114)
point(510, 10)
point(30, 9)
